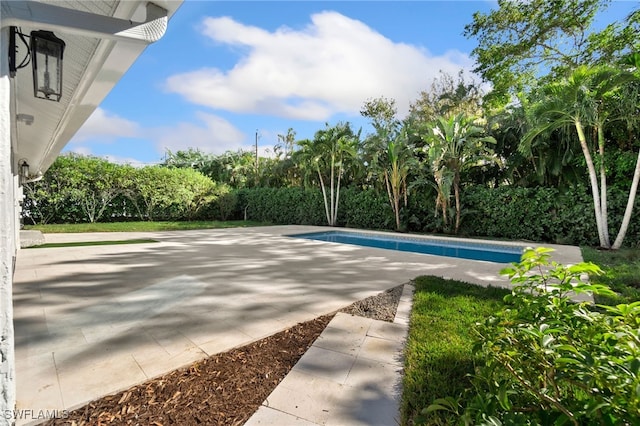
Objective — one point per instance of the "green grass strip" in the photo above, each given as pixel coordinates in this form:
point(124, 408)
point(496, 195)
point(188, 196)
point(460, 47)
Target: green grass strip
point(621, 273)
point(141, 226)
point(439, 352)
point(94, 243)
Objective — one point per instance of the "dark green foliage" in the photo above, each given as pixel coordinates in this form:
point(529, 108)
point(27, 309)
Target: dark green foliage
point(293, 206)
point(367, 209)
point(541, 214)
point(620, 273)
point(511, 212)
point(549, 360)
point(88, 189)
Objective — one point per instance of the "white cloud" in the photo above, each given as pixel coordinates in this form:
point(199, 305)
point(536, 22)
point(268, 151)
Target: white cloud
point(215, 135)
point(104, 126)
point(331, 66)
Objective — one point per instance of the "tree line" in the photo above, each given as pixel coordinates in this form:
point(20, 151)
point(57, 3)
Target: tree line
point(562, 113)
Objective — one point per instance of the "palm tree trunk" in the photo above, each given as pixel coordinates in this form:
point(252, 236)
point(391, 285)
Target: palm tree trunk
point(630, 202)
point(593, 179)
point(331, 223)
point(324, 197)
point(389, 193)
point(603, 187)
point(396, 198)
point(335, 212)
point(456, 191)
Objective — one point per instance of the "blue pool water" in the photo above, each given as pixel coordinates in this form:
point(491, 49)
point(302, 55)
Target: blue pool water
point(466, 250)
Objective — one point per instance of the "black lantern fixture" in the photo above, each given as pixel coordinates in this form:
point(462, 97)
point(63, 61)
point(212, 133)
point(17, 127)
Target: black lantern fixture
point(46, 62)
point(24, 170)
point(45, 52)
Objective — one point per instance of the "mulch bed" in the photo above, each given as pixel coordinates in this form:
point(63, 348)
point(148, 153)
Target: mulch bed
point(224, 389)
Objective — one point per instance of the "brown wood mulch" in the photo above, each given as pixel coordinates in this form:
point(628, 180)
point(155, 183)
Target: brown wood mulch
point(224, 389)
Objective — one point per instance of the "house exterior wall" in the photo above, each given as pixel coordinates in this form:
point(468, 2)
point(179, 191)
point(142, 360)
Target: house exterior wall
point(8, 231)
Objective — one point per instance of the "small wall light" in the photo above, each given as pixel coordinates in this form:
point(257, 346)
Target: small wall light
point(46, 61)
point(24, 169)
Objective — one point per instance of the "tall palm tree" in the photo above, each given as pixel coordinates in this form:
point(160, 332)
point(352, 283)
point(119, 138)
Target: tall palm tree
point(454, 144)
point(581, 102)
point(399, 160)
point(327, 155)
point(633, 61)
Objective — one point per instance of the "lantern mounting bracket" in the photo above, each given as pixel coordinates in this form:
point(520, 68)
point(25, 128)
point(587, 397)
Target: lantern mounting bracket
point(15, 31)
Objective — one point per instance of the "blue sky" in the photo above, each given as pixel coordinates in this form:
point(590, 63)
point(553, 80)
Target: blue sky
point(225, 69)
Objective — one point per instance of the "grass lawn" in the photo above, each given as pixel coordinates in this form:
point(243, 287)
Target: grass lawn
point(439, 348)
point(94, 243)
point(621, 273)
point(140, 226)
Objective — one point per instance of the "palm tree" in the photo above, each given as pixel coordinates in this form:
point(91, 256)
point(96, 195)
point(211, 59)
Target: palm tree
point(399, 159)
point(633, 61)
point(326, 155)
point(453, 145)
point(582, 102)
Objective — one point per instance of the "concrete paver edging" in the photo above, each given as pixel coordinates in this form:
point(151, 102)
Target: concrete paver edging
point(351, 375)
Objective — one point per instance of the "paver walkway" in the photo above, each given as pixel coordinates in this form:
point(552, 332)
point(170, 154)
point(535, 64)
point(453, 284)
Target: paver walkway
point(93, 320)
point(351, 375)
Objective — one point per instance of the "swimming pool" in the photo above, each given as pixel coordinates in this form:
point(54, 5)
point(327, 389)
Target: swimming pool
point(466, 250)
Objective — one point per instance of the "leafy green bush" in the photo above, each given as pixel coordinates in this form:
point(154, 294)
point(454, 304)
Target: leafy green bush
point(367, 209)
point(550, 360)
point(226, 201)
point(512, 212)
point(292, 206)
point(542, 214)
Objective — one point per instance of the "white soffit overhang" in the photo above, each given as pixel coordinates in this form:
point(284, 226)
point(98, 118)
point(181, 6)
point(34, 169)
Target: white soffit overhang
point(93, 64)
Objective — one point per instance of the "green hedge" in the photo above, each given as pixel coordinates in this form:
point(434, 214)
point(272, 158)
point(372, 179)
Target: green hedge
point(543, 215)
point(512, 213)
point(548, 215)
point(365, 209)
point(295, 206)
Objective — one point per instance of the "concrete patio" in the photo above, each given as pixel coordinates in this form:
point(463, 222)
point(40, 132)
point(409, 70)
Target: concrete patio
point(94, 320)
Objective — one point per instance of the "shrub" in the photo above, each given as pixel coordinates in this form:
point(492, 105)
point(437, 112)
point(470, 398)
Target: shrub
point(367, 209)
point(543, 214)
point(550, 360)
point(291, 206)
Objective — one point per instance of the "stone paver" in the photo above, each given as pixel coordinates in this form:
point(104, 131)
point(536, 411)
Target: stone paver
point(94, 320)
point(351, 375)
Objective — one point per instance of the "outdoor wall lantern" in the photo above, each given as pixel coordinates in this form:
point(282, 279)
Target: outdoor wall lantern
point(24, 170)
point(45, 52)
point(46, 61)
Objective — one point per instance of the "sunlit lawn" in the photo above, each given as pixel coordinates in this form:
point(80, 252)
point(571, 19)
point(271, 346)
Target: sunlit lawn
point(140, 226)
point(439, 353)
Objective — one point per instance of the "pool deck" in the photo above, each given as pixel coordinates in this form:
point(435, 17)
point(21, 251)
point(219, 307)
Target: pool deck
point(94, 320)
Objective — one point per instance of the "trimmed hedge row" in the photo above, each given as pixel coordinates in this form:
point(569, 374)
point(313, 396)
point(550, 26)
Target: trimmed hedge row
point(544, 215)
point(513, 213)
